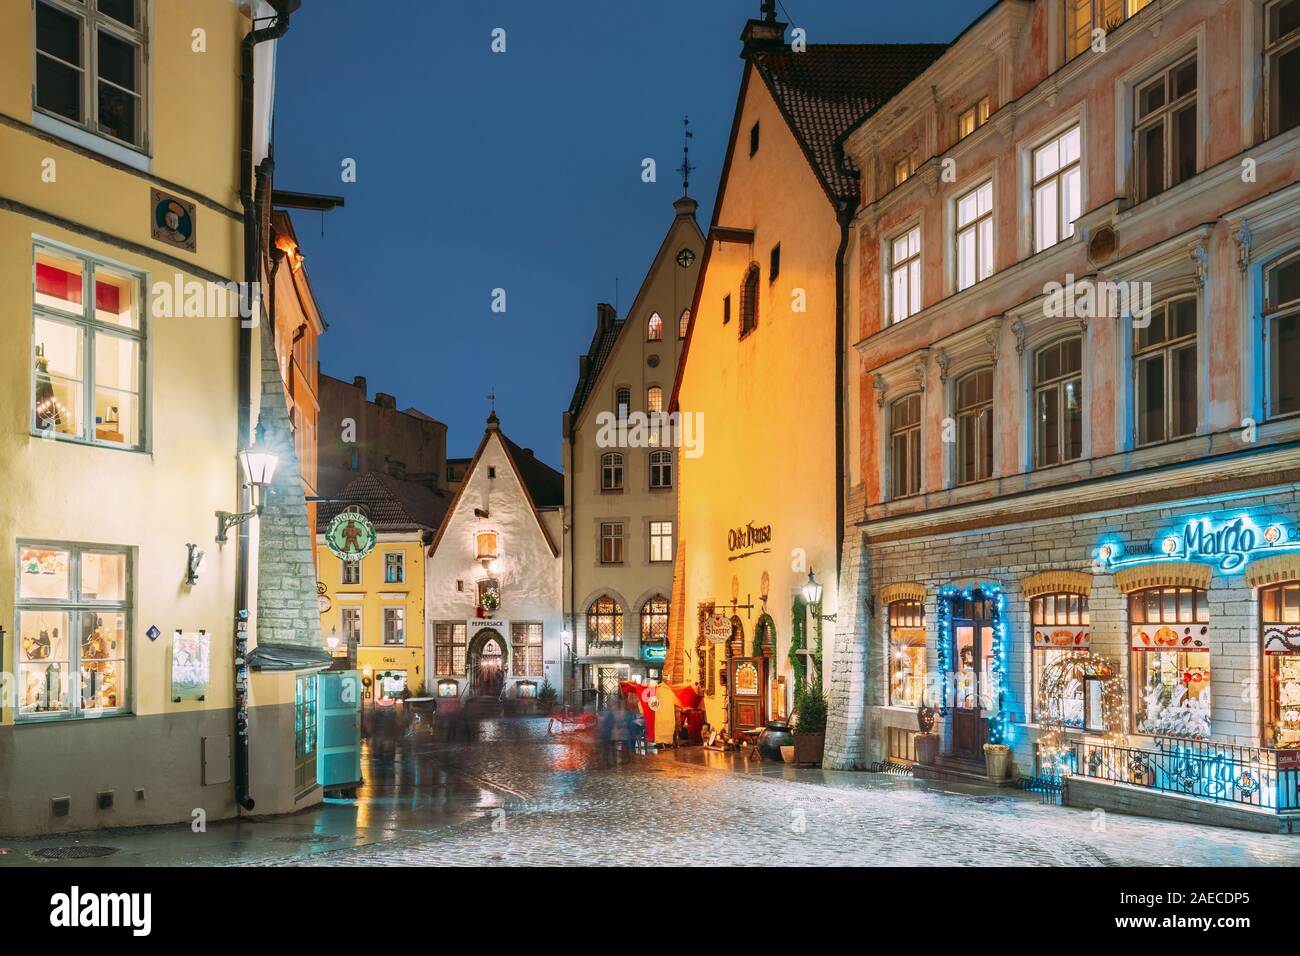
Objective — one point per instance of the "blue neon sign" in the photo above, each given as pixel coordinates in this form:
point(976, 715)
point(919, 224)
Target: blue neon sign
point(1230, 544)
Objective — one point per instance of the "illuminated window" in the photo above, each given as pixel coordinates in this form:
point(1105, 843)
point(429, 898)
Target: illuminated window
point(1061, 626)
point(1057, 188)
point(1170, 662)
point(88, 360)
point(73, 635)
point(526, 649)
point(904, 168)
point(654, 331)
point(604, 620)
point(1165, 128)
point(394, 568)
point(486, 544)
point(654, 399)
point(974, 401)
point(975, 236)
point(905, 446)
point(972, 119)
point(683, 323)
point(90, 66)
point(1058, 402)
point(304, 732)
point(1282, 65)
point(906, 653)
point(1164, 369)
point(1280, 618)
point(661, 540)
point(449, 649)
point(1082, 17)
point(654, 622)
point(905, 274)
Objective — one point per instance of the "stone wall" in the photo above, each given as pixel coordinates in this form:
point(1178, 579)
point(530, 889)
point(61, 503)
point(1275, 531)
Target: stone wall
point(847, 689)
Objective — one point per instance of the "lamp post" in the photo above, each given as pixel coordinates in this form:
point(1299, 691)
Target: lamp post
point(258, 464)
point(812, 593)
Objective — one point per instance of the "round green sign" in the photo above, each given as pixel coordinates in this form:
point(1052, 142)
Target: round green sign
point(351, 536)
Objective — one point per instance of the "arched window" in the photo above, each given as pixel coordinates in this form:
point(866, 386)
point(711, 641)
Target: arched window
point(654, 621)
point(654, 399)
point(1058, 402)
point(611, 471)
point(1164, 372)
point(622, 401)
point(905, 446)
point(654, 331)
point(683, 323)
point(604, 620)
point(749, 301)
point(1170, 666)
point(974, 401)
point(661, 469)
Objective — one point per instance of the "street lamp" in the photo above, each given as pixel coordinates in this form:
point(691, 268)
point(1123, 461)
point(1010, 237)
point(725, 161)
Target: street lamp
point(258, 464)
point(812, 593)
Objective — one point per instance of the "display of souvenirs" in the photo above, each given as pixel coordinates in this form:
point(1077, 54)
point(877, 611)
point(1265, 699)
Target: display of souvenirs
point(1286, 713)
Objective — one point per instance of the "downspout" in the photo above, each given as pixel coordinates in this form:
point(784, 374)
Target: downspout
point(573, 566)
point(252, 264)
point(845, 216)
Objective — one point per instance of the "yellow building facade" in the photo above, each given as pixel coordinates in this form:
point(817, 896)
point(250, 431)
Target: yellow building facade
point(118, 413)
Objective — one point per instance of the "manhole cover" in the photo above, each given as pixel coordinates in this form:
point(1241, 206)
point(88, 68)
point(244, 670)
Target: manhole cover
point(79, 852)
point(307, 838)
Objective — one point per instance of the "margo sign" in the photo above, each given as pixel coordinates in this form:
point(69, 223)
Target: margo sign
point(1230, 544)
point(748, 536)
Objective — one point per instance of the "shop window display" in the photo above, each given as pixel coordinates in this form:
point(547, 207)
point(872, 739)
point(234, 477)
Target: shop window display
point(1280, 617)
point(906, 653)
point(1060, 625)
point(1170, 658)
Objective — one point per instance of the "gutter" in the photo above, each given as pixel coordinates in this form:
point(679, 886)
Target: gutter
point(252, 264)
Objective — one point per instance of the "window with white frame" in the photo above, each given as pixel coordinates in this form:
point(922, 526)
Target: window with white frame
point(654, 399)
point(349, 571)
point(1282, 65)
point(350, 620)
point(1061, 628)
point(394, 625)
point(661, 469)
point(1082, 17)
point(622, 401)
point(1282, 315)
point(661, 540)
point(1165, 128)
point(972, 118)
point(683, 323)
point(905, 446)
point(611, 542)
point(526, 648)
point(654, 330)
point(905, 274)
point(974, 236)
point(88, 342)
point(1058, 402)
point(1164, 372)
point(611, 471)
point(1057, 188)
point(394, 567)
point(973, 396)
point(73, 636)
point(449, 648)
point(90, 66)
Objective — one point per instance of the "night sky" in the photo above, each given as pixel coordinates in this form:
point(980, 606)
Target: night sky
point(519, 170)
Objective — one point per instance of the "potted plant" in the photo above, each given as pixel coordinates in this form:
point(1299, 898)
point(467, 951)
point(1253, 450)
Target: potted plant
point(997, 761)
point(810, 724)
point(787, 752)
point(927, 741)
point(546, 695)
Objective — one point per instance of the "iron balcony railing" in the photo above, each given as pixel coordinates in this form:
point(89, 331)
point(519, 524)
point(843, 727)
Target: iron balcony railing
point(1223, 773)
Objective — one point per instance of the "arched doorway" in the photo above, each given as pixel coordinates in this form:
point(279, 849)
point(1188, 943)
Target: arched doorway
point(487, 664)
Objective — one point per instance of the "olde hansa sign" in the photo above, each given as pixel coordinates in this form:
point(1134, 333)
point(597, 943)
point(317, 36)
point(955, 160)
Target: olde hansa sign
point(748, 537)
point(1229, 545)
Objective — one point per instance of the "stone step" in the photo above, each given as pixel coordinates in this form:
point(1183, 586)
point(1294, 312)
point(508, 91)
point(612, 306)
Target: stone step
point(959, 770)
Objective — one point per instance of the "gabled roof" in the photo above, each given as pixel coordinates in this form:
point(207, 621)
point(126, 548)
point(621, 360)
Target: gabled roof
point(531, 472)
point(602, 346)
point(829, 87)
point(393, 505)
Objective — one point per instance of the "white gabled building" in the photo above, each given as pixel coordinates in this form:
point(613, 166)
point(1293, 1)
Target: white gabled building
point(493, 590)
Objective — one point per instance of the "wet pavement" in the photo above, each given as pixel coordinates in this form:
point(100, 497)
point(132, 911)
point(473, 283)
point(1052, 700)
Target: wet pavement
point(519, 796)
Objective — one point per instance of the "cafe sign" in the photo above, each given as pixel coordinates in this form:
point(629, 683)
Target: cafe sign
point(1229, 545)
point(748, 536)
point(351, 536)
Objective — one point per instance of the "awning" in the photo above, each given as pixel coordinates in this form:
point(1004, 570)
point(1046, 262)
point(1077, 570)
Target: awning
point(288, 657)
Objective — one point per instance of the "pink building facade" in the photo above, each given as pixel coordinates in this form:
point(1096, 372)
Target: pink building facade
point(1073, 521)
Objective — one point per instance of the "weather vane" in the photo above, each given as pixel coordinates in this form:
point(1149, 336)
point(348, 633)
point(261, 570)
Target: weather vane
point(686, 168)
point(492, 397)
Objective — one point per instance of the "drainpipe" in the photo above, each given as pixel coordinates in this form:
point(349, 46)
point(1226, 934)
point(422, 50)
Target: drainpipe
point(845, 216)
point(573, 565)
point(252, 265)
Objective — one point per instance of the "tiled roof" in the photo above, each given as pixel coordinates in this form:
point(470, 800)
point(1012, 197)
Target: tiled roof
point(602, 345)
point(393, 504)
point(545, 485)
point(831, 87)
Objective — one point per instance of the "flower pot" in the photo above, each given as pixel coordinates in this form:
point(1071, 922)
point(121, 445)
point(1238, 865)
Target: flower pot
point(787, 752)
point(927, 749)
point(808, 748)
point(774, 736)
point(997, 761)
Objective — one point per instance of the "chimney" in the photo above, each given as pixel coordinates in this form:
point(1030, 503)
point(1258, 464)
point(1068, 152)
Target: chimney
point(605, 316)
point(766, 35)
point(582, 366)
point(528, 453)
point(384, 400)
point(359, 381)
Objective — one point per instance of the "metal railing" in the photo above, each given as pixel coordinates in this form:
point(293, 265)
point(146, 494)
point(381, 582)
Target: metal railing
point(1204, 770)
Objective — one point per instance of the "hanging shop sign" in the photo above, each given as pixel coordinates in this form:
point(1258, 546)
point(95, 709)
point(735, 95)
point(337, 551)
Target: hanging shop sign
point(1061, 638)
point(351, 536)
point(717, 628)
point(1230, 545)
point(748, 537)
